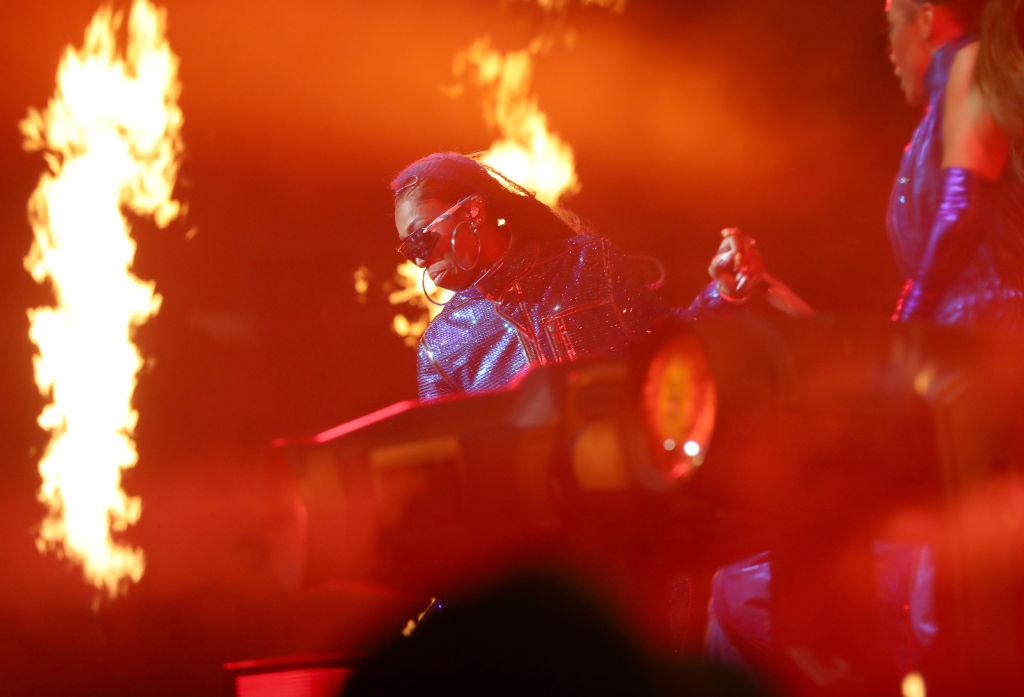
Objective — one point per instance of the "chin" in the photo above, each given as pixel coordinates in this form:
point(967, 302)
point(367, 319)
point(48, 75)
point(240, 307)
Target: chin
point(915, 94)
point(455, 284)
point(452, 280)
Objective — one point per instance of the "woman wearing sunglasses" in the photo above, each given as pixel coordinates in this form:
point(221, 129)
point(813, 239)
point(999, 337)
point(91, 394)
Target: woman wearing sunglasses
point(532, 286)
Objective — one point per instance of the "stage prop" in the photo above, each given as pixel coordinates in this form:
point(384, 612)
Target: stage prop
point(811, 439)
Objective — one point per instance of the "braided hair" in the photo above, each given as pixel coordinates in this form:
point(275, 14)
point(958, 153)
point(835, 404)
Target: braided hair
point(449, 176)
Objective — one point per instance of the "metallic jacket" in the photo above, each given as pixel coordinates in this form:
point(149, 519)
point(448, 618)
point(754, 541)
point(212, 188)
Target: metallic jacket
point(989, 287)
point(543, 303)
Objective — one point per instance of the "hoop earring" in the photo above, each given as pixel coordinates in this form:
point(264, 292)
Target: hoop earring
point(423, 286)
point(473, 228)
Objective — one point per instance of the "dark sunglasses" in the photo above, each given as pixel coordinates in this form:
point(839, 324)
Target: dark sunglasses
point(420, 243)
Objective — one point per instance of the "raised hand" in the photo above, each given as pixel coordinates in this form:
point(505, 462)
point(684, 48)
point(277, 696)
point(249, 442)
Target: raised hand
point(737, 267)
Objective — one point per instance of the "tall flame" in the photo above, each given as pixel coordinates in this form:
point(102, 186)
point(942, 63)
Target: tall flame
point(110, 138)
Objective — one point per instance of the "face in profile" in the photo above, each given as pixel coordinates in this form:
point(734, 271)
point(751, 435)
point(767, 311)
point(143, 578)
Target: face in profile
point(453, 253)
point(908, 47)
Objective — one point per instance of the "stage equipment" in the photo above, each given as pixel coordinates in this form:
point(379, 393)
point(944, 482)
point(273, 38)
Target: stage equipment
point(710, 442)
point(295, 676)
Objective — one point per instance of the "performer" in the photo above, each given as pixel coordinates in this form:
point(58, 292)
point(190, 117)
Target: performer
point(533, 286)
point(956, 215)
point(956, 223)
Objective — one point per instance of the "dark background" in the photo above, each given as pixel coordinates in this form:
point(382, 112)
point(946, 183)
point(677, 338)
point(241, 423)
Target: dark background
point(685, 116)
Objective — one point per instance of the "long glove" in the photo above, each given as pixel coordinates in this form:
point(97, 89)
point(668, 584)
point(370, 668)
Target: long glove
point(950, 242)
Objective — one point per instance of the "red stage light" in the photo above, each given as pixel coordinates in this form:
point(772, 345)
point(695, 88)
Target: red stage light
point(307, 676)
point(679, 401)
point(314, 682)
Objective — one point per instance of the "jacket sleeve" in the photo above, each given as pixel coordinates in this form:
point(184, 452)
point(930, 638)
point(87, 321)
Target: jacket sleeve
point(640, 305)
point(644, 308)
point(708, 303)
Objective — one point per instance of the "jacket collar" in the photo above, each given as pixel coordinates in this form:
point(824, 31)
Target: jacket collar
point(518, 259)
point(942, 61)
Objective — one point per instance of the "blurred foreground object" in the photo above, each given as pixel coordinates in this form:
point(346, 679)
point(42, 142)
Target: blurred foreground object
point(534, 634)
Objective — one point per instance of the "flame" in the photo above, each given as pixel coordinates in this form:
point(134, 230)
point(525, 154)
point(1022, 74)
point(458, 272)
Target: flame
point(527, 152)
point(361, 280)
point(110, 138)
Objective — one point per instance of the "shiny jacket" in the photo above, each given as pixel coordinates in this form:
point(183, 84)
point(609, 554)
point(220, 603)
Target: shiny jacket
point(987, 287)
point(543, 303)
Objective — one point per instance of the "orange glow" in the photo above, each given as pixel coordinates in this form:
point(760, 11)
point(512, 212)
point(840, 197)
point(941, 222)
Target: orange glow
point(110, 138)
point(613, 5)
point(680, 403)
point(361, 279)
point(913, 685)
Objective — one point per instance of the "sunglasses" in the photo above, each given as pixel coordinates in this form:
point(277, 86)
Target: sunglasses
point(420, 243)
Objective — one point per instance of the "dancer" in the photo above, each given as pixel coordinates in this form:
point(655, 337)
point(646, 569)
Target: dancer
point(956, 214)
point(956, 223)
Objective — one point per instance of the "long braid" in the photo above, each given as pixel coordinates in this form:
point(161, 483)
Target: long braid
point(449, 176)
